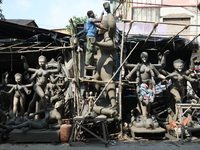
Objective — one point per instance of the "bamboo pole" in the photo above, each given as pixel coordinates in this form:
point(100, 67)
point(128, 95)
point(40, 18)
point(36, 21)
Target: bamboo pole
point(74, 57)
point(154, 27)
point(175, 36)
point(116, 72)
point(34, 51)
point(9, 47)
point(24, 48)
point(191, 41)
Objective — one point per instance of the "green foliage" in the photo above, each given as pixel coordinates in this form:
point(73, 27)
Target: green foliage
point(77, 20)
point(1, 15)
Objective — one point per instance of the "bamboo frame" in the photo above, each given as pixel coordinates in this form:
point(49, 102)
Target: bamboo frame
point(41, 49)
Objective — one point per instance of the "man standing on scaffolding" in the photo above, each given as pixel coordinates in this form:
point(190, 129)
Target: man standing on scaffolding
point(91, 37)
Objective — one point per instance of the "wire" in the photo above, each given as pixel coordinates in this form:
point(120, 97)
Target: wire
point(159, 4)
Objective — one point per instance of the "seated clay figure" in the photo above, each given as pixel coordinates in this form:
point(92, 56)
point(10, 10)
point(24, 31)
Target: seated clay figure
point(54, 121)
point(105, 64)
point(19, 98)
point(145, 82)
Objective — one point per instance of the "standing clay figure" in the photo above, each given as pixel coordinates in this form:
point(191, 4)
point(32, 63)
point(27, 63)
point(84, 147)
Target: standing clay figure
point(19, 95)
point(145, 82)
point(40, 76)
point(179, 80)
point(54, 121)
point(106, 61)
point(145, 78)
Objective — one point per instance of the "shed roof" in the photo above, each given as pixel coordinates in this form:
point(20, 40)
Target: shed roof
point(26, 22)
point(19, 31)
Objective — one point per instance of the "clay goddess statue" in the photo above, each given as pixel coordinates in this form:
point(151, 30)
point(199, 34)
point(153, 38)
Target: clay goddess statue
point(40, 76)
point(19, 95)
point(179, 80)
point(106, 57)
point(145, 82)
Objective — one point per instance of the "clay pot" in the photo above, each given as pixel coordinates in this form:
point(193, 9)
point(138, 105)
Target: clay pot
point(65, 131)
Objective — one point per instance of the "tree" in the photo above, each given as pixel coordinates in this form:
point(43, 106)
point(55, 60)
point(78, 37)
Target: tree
point(77, 20)
point(1, 15)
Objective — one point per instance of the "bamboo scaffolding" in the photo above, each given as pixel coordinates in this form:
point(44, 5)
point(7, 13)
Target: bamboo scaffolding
point(175, 36)
point(45, 46)
point(186, 26)
point(154, 27)
point(191, 41)
point(167, 23)
point(10, 46)
point(34, 51)
point(29, 46)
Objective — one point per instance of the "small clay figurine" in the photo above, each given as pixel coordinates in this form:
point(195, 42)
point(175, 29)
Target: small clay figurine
point(91, 100)
point(19, 94)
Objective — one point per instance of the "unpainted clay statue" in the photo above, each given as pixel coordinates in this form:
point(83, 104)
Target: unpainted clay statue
point(19, 95)
point(105, 64)
point(57, 82)
point(52, 89)
point(145, 82)
point(40, 76)
point(145, 78)
point(179, 80)
point(54, 121)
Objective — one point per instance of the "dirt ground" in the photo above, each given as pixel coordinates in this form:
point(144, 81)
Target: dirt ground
point(115, 145)
point(139, 145)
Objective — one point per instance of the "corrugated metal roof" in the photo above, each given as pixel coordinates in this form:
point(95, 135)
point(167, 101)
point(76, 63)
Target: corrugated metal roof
point(18, 31)
point(22, 21)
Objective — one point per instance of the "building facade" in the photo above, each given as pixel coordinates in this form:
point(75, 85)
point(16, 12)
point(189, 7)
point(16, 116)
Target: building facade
point(168, 11)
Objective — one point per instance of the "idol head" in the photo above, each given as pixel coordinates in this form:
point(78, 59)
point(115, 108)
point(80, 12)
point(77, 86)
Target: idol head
point(42, 61)
point(144, 56)
point(18, 77)
point(178, 64)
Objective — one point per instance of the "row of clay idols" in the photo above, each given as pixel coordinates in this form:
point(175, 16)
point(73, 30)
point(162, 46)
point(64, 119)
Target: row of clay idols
point(42, 88)
point(145, 85)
